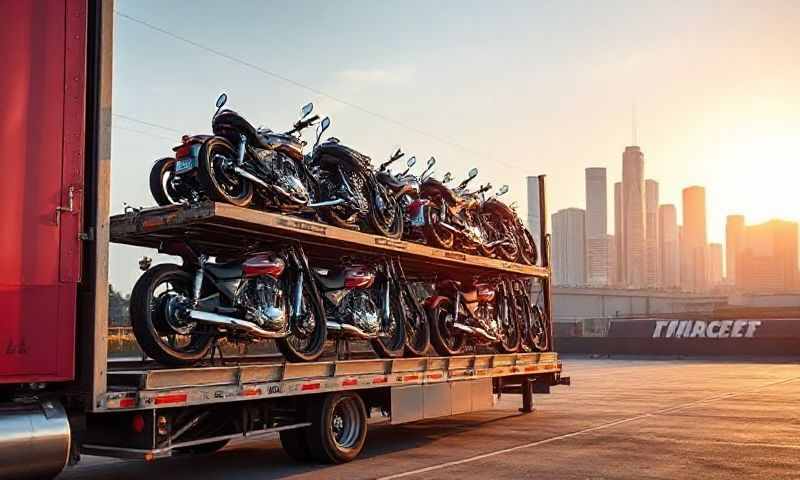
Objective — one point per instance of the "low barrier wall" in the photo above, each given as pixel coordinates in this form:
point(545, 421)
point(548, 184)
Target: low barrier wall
point(760, 337)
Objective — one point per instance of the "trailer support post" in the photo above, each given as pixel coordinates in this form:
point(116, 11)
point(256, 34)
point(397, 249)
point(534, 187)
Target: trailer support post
point(527, 395)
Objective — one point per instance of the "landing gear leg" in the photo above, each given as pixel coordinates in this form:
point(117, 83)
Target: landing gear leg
point(527, 395)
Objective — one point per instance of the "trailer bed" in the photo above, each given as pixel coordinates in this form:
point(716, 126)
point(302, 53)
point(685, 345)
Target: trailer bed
point(160, 388)
point(219, 228)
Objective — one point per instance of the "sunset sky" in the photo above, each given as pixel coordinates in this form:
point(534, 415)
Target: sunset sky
point(514, 88)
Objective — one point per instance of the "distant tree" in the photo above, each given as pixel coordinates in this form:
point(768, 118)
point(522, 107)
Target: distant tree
point(118, 315)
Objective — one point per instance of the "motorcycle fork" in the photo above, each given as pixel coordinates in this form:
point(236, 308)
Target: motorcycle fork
point(198, 279)
point(242, 148)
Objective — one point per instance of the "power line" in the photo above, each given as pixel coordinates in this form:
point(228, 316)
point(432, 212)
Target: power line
point(142, 132)
point(309, 88)
point(149, 124)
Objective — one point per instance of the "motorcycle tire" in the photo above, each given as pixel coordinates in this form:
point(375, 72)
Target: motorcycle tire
point(395, 229)
point(445, 341)
point(527, 247)
point(418, 329)
point(539, 336)
point(219, 184)
point(149, 322)
point(511, 337)
point(437, 237)
point(159, 184)
point(392, 345)
point(292, 346)
point(508, 251)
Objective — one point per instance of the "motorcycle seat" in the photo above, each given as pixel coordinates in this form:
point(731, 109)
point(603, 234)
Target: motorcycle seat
point(331, 280)
point(225, 271)
point(390, 181)
point(226, 120)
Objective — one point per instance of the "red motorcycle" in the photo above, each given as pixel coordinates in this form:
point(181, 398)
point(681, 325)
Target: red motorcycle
point(476, 313)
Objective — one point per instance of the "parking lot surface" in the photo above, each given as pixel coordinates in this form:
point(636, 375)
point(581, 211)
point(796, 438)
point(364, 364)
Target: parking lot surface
point(620, 419)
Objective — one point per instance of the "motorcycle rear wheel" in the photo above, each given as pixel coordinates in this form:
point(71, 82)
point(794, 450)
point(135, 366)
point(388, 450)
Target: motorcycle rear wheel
point(160, 175)
point(219, 183)
point(152, 323)
point(539, 336)
point(446, 341)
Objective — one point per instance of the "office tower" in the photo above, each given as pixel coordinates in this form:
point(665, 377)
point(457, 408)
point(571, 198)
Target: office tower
point(569, 247)
point(668, 246)
point(612, 259)
point(714, 264)
point(767, 260)
point(734, 233)
point(534, 222)
point(634, 227)
point(693, 264)
point(619, 236)
point(596, 227)
point(651, 230)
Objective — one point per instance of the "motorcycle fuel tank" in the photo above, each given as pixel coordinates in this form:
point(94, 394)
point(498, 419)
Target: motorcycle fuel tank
point(358, 276)
point(263, 264)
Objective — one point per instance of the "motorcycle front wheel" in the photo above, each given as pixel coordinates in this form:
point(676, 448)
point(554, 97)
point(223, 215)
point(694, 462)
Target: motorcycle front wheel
point(157, 310)
point(446, 340)
point(527, 247)
point(217, 177)
point(308, 328)
point(385, 214)
point(510, 331)
point(436, 235)
point(538, 334)
point(391, 338)
point(418, 328)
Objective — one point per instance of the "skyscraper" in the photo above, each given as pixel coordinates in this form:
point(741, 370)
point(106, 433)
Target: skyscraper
point(734, 238)
point(714, 264)
point(619, 236)
point(534, 222)
point(693, 264)
point(668, 246)
point(569, 247)
point(596, 227)
point(651, 230)
point(634, 226)
point(767, 260)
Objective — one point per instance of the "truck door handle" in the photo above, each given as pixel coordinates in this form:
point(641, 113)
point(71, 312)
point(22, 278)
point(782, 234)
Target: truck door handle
point(70, 208)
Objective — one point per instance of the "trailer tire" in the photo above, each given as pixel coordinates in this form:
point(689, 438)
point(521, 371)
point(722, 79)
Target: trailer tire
point(338, 427)
point(295, 444)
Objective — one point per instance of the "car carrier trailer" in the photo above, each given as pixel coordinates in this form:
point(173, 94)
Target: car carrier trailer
point(60, 397)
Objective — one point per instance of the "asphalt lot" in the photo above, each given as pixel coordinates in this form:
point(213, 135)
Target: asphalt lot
point(620, 419)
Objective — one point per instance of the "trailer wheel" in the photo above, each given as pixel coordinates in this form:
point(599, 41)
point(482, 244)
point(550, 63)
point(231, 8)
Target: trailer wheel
point(338, 427)
point(295, 444)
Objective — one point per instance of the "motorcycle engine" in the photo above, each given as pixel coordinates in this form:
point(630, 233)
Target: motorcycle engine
point(288, 179)
point(358, 309)
point(263, 303)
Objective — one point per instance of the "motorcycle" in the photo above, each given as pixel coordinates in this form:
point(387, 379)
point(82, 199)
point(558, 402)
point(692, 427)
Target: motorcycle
point(533, 324)
point(451, 218)
point(350, 194)
point(478, 313)
point(240, 164)
point(501, 227)
point(179, 312)
point(374, 302)
point(405, 187)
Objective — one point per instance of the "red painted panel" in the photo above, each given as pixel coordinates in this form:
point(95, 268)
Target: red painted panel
point(43, 85)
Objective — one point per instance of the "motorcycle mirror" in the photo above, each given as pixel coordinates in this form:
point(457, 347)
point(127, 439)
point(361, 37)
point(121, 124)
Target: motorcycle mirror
point(473, 173)
point(411, 161)
point(431, 162)
point(306, 110)
point(502, 191)
point(222, 99)
point(447, 177)
point(323, 125)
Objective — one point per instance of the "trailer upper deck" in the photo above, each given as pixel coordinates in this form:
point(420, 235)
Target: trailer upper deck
point(218, 228)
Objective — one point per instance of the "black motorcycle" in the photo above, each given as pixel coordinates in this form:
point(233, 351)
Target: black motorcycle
point(373, 301)
point(240, 165)
point(533, 322)
point(179, 312)
point(350, 194)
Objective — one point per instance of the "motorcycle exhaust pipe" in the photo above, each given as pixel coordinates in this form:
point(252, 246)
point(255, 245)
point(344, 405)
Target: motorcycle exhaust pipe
point(474, 331)
point(349, 330)
point(233, 323)
point(499, 242)
point(450, 227)
point(244, 173)
point(327, 203)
